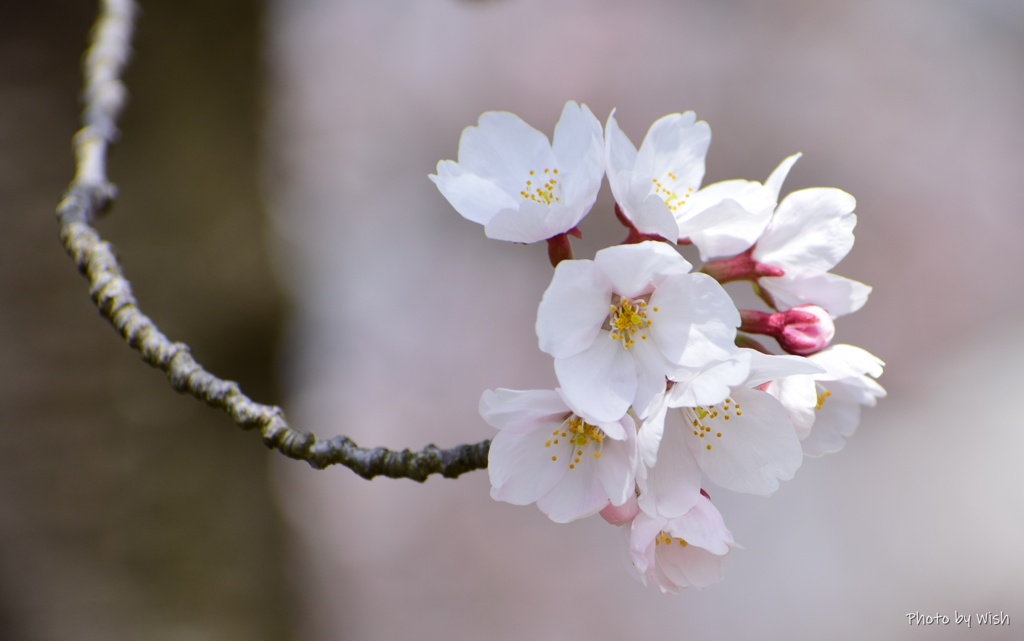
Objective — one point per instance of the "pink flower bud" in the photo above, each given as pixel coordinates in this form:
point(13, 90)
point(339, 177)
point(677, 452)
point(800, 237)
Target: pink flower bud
point(802, 330)
point(621, 514)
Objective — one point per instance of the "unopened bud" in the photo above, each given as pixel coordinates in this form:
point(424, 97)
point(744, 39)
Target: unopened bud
point(621, 514)
point(801, 330)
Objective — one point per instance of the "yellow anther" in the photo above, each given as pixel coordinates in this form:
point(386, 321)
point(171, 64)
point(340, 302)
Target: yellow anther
point(822, 397)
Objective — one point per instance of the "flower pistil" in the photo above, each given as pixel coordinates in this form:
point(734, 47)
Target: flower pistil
point(579, 434)
point(627, 318)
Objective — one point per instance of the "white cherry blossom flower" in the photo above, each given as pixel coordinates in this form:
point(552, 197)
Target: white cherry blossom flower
point(687, 551)
point(825, 407)
point(522, 188)
point(738, 436)
point(619, 324)
point(729, 216)
point(810, 232)
point(657, 189)
point(547, 453)
point(653, 186)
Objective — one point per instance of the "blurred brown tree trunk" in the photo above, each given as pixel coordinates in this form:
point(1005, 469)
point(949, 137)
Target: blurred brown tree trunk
point(126, 511)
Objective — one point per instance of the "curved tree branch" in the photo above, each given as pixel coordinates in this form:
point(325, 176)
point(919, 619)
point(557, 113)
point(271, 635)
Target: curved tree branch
point(91, 194)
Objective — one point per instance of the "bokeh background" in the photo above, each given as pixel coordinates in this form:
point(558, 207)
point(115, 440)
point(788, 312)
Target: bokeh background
point(276, 215)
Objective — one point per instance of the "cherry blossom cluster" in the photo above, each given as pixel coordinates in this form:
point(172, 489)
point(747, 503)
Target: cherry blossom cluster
point(664, 385)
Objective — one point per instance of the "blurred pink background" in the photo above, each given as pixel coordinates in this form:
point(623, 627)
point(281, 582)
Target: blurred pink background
point(406, 313)
point(273, 173)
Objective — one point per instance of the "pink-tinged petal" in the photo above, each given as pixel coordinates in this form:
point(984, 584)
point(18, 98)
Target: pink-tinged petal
point(616, 469)
point(689, 566)
point(811, 231)
point(634, 269)
point(774, 182)
point(837, 295)
point(757, 449)
point(601, 380)
point(621, 514)
point(504, 149)
point(532, 222)
point(675, 143)
point(696, 320)
point(642, 532)
point(475, 198)
point(520, 467)
point(578, 146)
point(579, 493)
point(672, 486)
point(702, 526)
point(522, 411)
point(573, 309)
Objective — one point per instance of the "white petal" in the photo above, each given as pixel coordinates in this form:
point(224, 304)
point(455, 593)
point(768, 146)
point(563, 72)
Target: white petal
point(837, 295)
point(579, 151)
point(756, 450)
point(774, 182)
point(702, 526)
point(601, 380)
point(616, 469)
point(651, 431)
point(689, 566)
point(649, 213)
point(642, 533)
point(811, 231)
point(634, 269)
point(726, 218)
point(835, 422)
point(475, 198)
point(652, 368)
point(799, 395)
point(520, 467)
point(842, 361)
point(504, 149)
point(573, 309)
point(696, 322)
point(620, 158)
point(521, 411)
point(768, 367)
point(579, 493)
point(672, 486)
point(532, 222)
point(708, 385)
point(675, 143)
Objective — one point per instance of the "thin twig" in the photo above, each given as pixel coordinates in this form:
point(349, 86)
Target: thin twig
point(90, 194)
